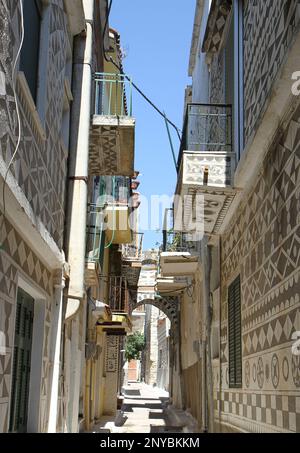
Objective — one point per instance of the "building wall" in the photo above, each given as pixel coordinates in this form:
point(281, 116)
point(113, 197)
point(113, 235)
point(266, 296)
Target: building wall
point(200, 71)
point(163, 328)
point(262, 245)
point(39, 179)
point(191, 335)
point(269, 30)
point(111, 375)
point(40, 165)
point(27, 265)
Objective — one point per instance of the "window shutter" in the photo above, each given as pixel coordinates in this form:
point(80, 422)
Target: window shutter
point(235, 334)
point(21, 362)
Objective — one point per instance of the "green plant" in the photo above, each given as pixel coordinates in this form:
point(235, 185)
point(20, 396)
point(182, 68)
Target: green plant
point(135, 344)
point(174, 241)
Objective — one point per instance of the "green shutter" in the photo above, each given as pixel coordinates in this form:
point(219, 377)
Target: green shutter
point(21, 362)
point(235, 334)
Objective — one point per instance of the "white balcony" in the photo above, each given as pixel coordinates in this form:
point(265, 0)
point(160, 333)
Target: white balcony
point(207, 164)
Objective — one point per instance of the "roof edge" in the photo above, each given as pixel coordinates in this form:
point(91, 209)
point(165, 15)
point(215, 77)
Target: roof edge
point(196, 33)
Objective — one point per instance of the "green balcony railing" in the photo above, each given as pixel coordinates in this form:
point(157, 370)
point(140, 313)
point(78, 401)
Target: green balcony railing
point(179, 242)
point(113, 94)
point(95, 240)
point(113, 189)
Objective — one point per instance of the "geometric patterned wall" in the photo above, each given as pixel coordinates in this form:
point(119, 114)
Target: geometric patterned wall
point(269, 29)
point(40, 165)
point(217, 79)
point(40, 169)
point(18, 257)
point(262, 244)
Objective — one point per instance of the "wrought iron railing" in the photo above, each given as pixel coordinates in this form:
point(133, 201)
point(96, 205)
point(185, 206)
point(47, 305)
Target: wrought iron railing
point(118, 294)
point(207, 128)
point(134, 250)
point(95, 234)
point(179, 242)
point(113, 94)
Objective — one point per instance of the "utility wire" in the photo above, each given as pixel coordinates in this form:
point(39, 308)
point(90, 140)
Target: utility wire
point(147, 99)
point(18, 117)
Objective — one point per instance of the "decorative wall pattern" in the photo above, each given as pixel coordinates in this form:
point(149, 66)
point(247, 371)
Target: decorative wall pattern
point(269, 29)
point(40, 165)
point(263, 245)
point(104, 155)
point(217, 79)
point(168, 305)
point(112, 351)
point(19, 257)
point(40, 171)
point(275, 412)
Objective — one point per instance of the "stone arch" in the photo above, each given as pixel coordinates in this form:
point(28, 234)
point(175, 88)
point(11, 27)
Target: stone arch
point(168, 305)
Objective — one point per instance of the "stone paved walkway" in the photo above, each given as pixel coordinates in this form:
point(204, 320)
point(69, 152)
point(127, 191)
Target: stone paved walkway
point(142, 412)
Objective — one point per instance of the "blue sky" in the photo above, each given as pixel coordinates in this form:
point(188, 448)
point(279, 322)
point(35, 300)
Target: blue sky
point(156, 36)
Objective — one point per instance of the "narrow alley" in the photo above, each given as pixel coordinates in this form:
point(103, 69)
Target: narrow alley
point(149, 217)
point(146, 409)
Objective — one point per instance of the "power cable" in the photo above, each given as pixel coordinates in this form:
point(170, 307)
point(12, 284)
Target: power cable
point(18, 116)
point(147, 99)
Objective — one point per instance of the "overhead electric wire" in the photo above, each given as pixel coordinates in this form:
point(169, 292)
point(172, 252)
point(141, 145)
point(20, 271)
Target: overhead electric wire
point(111, 60)
point(18, 117)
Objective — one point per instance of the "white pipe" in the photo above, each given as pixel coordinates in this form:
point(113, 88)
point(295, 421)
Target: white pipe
point(207, 401)
point(55, 351)
point(79, 159)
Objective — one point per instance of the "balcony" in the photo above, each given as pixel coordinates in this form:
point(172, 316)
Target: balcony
point(134, 250)
point(118, 295)
point(132, 260)
point(179, 257)
point(118, 301)
point(113, 194)
point(170, 285)
point(112, 133)
point(95, 240)
point(206, 163)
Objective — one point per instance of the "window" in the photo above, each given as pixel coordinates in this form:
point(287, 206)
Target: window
point(235, 334)
point(234, 77)
point(29, 58)
point(21, 362)
point(160, 358)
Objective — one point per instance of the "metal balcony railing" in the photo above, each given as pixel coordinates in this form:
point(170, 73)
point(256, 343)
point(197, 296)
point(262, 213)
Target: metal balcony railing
point(95, 234)
point(207, 128)
point(113, 189)
point(179, 242)
point(113, 94)
point(134, 250)
point(118, 294)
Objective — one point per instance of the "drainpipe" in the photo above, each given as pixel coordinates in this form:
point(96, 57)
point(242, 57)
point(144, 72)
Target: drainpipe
point(181, 377)
point(207, 394)
point(79, 159)
point(59, 284)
